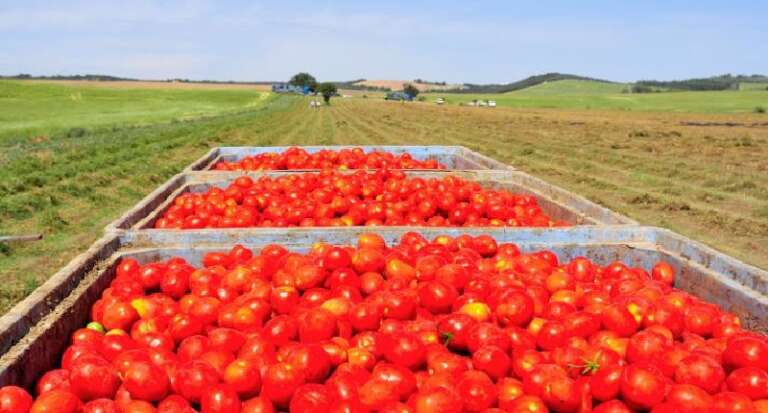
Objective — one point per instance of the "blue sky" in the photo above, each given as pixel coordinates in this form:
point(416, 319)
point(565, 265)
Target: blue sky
point(467, 41)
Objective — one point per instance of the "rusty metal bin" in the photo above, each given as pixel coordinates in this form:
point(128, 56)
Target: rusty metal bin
point(34, 334)
point(554, 201)
point(453, 157)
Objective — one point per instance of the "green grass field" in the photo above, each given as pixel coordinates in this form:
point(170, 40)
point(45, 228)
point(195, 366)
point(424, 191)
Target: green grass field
point(30, 109)
point(575, 94)
point(707, 182)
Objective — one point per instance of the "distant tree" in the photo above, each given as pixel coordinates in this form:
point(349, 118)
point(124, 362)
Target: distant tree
point(642, 89)
point(328, 90)
point(304, 79)
point(411, 90)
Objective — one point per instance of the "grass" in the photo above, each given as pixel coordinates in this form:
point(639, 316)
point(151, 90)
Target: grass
point(32, 109)
point(707, 182)
point(576, 94)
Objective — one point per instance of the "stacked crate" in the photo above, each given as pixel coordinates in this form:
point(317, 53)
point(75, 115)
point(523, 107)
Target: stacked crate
point(34, 333)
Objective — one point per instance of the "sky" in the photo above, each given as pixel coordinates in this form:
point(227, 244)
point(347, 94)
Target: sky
point(453, 41)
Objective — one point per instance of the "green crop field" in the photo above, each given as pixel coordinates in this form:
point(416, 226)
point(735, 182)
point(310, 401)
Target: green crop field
point(700, 174)
point(574, 94)
point(29, 109)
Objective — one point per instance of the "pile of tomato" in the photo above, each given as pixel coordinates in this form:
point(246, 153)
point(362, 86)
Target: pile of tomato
point(443, 326)
point(296, 158)
point(330, 198)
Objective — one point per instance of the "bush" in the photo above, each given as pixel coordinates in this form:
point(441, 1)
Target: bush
point(760, 109)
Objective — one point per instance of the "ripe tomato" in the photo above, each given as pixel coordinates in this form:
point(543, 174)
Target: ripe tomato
point(14, 399)
point(145, 381)
point(56, 401)
point(93, 378)
point(702, 371)
point(279, 382)
point(642, 386)
point(749, 381)
point(220, 398)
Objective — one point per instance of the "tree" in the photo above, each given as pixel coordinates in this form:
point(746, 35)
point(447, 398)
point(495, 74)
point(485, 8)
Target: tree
point(328, 90)
point(304, 79)
point(411, 90)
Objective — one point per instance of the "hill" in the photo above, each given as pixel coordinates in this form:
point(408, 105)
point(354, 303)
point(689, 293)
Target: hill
point(574, 87)
point(387, 85)
point(525, 83)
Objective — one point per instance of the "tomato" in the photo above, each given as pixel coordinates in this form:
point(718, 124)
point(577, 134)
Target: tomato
point(220, 398)
point(310, 398)
point(745, 351)
point(279, 382)
point(749, 381)
point(477, 391)
point(702, 371)
point(730, 402)
point(439, 400)
point(619, 320)
point(93, 379)
point(316, 325)
point(454, 330)
point(56, 401)
point(663, 272)
point(404, 349)
point(605, 384)
point(689, 398)
point(642, 386)
point(145, 381)
point(492, 360)
point(257, 405)
point(437, 297)
point(527, 404)
point(14, 399)
point(100, 406)
point(516, 308)
point(193, 378)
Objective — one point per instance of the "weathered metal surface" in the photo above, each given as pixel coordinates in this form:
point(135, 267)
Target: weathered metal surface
point(556, 202)
point(37, 330)
point(453, 157)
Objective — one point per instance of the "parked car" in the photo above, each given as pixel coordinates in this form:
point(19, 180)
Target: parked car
point(491, 103)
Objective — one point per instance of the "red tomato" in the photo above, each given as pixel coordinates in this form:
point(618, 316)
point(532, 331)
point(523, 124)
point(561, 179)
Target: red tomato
point(642, 386)
point(93, 379)
point(14, 399)
point(220, 398)
point(145, 381)
point(279, 382)
point(702, 371)
point(310, 398)
point(56, 401)
point(100, 406)
point(749, 381)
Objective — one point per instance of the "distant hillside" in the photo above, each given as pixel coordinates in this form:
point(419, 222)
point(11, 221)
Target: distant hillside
point(24, 76)
point(388, 85)
point(574, 87)
point(525, 83)
point(722, 82)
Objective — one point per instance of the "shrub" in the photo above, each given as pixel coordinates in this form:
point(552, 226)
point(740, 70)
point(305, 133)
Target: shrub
point(760, 109)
